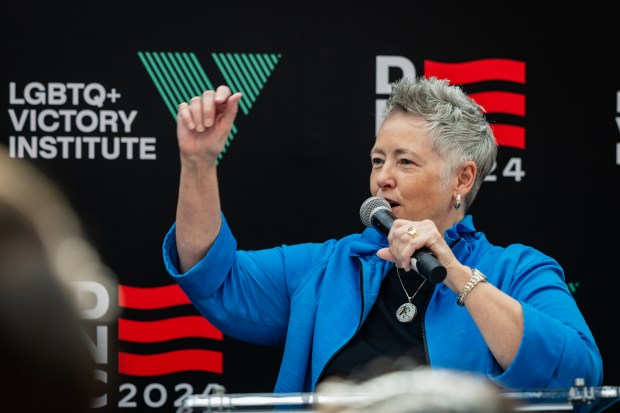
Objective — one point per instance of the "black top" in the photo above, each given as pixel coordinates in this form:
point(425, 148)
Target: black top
point(382, 341)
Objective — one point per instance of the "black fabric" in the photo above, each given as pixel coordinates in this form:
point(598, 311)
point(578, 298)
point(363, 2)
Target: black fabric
point(383, 342)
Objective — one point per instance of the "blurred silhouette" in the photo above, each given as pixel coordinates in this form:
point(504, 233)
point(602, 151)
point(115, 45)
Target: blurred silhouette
point(42, 203)
point(414, 390)
point(46, 365)
point(46, 360)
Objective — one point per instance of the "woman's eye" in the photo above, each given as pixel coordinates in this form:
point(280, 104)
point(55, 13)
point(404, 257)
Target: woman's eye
point(406, 162)
point(376, 161)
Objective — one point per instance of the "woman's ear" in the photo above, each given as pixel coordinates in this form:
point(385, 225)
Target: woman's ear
point(466, 175)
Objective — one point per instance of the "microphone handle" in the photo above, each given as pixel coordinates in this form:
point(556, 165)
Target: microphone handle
point(427, 265)
point(382, 220)
point(423, 260)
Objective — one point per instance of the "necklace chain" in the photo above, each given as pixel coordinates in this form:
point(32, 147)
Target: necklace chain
point(405, 290)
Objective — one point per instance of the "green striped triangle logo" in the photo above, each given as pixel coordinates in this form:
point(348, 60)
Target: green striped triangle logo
point(179, 76)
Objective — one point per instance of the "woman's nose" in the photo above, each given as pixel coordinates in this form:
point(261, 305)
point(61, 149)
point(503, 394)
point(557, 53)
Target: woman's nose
point(385, 177)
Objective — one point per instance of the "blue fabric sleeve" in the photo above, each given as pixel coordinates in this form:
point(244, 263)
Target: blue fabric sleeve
point(245, 294)
point(557, 345)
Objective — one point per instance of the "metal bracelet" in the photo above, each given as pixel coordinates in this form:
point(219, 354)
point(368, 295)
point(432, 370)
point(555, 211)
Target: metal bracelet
point(476, 277)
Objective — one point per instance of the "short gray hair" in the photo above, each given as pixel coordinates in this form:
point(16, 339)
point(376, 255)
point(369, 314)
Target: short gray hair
point(458, 128)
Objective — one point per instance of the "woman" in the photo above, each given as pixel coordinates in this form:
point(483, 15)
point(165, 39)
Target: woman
point(339, 306)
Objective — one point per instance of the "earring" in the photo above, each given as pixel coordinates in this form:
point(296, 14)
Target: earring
point(457, 203)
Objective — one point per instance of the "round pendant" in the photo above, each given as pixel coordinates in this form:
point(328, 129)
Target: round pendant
point(406, 313)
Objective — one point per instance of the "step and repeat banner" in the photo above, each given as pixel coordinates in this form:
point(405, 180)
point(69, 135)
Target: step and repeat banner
point(89, 98)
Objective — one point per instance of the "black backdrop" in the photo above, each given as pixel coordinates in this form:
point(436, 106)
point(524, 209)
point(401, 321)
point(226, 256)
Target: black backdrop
point(297, 169)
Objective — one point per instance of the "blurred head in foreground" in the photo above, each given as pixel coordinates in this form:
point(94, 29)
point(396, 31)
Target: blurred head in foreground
point(45, 362)
point(419, 390)
point(44, 353)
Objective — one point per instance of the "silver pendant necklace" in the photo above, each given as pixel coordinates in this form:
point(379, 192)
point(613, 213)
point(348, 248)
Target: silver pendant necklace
point(407, 311)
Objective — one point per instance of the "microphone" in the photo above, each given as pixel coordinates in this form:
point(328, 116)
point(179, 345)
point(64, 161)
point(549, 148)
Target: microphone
point(376, 213)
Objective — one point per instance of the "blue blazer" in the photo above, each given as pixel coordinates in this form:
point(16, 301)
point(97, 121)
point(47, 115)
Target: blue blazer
point(312, 298)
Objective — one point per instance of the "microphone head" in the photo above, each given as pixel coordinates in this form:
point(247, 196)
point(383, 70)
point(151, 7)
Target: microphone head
point(370, 206)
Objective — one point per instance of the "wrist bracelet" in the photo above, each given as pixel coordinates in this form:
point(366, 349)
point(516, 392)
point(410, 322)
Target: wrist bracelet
point(476, 277)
